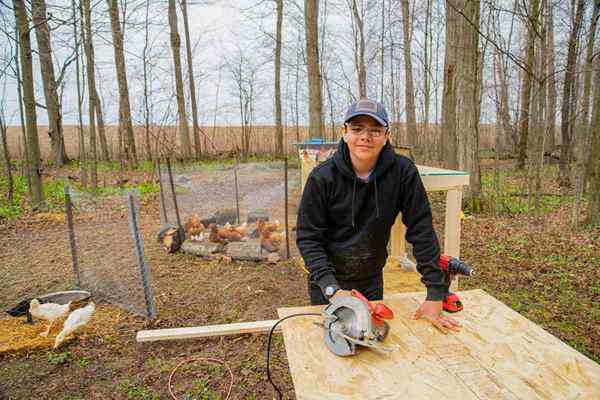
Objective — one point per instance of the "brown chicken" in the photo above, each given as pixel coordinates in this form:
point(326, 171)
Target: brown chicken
point(194, 227)
point(223, 235)
point(266, 228)
point(242, 229)
point(270, 239)
point(213, 234)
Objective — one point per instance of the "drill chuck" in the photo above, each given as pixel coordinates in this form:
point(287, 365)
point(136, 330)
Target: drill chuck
point(456, 266)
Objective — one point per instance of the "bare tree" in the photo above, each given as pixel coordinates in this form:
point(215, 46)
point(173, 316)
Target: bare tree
point(524, 119)
point(6, 156)
point(125, 125)
point(182, 117)
point(594, 207)
point(81, 137)
point(93, 101)
point(42, 34)
point(461, 87)
point(409, 94)
point(278, 125)
point(584, 142)
point(33, 147)
point(311, 18)
point(192, 84)
point(566, 123)
point(552, 97)
point(359, 48)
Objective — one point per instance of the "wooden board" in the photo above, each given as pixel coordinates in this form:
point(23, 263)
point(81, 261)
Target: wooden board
point(499, 354)
point(195, 332)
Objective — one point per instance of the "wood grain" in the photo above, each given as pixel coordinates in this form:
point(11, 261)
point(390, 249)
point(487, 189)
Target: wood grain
point(499, 354)
point(195, 332)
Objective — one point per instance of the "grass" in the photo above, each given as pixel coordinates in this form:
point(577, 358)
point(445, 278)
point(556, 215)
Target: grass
point(137, 391)
point(54, 194)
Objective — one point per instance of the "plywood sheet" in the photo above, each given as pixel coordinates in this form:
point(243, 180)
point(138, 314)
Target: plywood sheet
point(499, 354)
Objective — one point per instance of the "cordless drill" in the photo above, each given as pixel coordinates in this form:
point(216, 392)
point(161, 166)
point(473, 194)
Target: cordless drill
point(451, 267)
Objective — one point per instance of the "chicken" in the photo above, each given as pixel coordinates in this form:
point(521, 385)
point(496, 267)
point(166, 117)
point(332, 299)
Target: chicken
point(194, 227)
point(74, 321)
point(223, 235)
point(242, 229)
point(213, 234)
point(264, 227)
point(230, 235)
point(48, 311)
point(271, 240)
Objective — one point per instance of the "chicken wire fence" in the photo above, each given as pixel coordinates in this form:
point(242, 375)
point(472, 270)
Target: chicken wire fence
point(223, 193)
point(108, 253)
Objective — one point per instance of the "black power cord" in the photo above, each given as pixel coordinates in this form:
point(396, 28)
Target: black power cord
point(269, 346)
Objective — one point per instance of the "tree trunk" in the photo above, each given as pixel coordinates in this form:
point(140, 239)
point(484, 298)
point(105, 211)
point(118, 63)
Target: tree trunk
point(145, 79)
point(594, 207)
point(311, 17)
point(359, 52)
point(86, 31)
point(125, 125)
point(461, 88)
point(104, 148)
point(448, 141)
point(6, 156)
point(33, 146)
point(584, 143)
point(426, 79)
point(278, 125)
point(42, 34)
point(190, 64)
point(22, 112)
point(409, 93)
point(184, 134)
point(589, 60)
point(503, 110)
point(527, 83)
point(81, 137)
point(552, 100)
point(566, 123)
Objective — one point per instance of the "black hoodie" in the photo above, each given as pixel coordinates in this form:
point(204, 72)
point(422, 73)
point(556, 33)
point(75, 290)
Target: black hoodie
point(344, 222)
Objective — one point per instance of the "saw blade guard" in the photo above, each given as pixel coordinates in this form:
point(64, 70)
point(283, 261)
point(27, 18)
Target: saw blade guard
point(346, 316)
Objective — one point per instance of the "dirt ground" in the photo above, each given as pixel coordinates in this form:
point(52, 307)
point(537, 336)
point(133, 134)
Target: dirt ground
point(541, 267)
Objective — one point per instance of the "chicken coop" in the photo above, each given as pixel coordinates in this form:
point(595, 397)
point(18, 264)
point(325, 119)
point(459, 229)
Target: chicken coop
point(236, 211)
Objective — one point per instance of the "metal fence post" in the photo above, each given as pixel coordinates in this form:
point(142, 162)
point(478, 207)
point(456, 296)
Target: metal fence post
point(138, 245)
point(72, 242)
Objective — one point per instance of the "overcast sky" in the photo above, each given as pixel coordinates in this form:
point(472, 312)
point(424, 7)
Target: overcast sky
point(223, 31)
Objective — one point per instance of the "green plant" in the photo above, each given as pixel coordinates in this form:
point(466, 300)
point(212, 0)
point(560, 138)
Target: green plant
point(84, 363)
point(200, 390)
point(137, 391)
point(59, 358)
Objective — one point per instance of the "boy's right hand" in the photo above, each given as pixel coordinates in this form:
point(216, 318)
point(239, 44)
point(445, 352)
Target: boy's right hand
point(340, 293)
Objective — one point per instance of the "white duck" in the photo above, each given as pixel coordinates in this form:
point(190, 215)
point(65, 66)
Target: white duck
point(76, 320)
point(48, 311)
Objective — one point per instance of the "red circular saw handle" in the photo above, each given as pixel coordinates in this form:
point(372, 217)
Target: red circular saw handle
point(380, 311)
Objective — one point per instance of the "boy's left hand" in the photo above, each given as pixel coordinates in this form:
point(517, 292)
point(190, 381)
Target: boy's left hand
point(432, 312)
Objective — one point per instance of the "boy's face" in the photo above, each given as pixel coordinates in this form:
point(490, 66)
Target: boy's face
point(365, 138)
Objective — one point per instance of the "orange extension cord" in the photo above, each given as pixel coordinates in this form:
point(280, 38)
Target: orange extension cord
point(193, 359)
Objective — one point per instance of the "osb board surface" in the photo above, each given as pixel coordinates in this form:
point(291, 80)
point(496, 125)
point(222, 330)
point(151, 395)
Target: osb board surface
point(499, 354)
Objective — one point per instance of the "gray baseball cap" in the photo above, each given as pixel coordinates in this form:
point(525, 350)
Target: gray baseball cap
point(368, 107)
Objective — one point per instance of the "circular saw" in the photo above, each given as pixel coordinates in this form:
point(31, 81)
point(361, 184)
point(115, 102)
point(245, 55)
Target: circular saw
point(352, 320)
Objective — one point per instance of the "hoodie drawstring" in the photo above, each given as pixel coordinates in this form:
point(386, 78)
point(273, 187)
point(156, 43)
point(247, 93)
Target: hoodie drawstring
point(353, 193)
point(376, 198)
